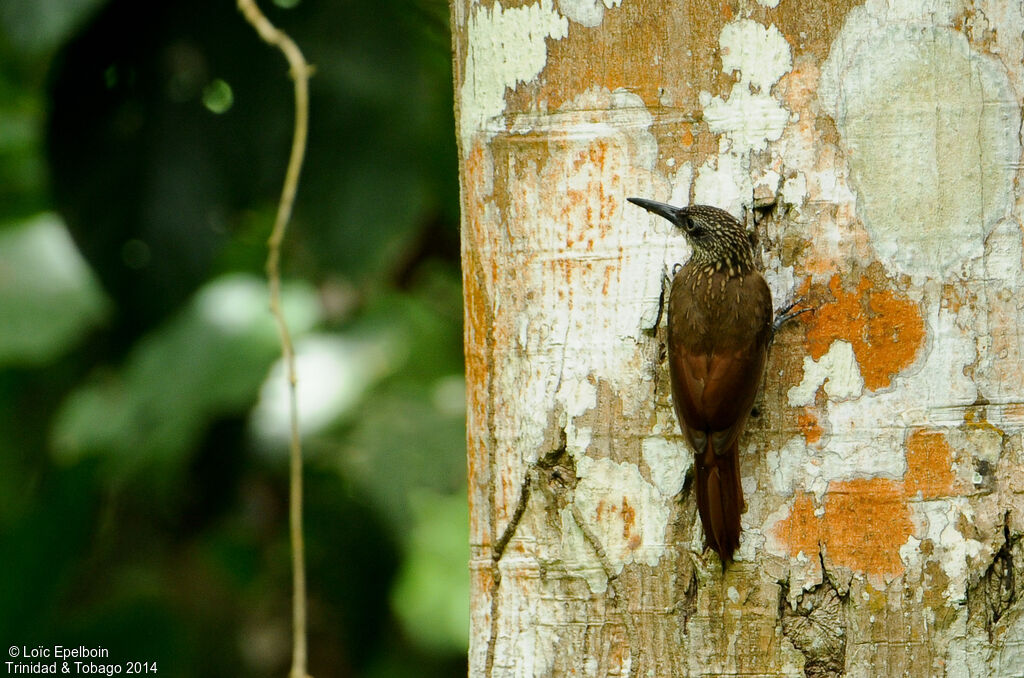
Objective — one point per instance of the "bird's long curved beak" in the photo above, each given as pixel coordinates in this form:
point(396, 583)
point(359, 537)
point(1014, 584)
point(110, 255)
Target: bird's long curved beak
point(660, 208)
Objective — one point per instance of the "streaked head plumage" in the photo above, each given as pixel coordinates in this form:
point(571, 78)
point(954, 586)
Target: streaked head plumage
point(715, 235)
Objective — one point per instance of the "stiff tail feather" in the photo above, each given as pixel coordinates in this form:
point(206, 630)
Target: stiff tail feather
point(720, 499)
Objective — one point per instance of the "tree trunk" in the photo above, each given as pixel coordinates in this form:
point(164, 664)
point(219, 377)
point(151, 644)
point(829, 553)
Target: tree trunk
point(875, 150)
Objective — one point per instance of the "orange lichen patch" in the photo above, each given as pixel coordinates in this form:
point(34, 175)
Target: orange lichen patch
point(608, 271)
point(628, 518)
point(840, 319)
point(809, 426)
point(583, 190)
point(974, 418)
point(865, 522)
point(801, 531)
point(886, 330)
point(929, 465)
point(895, 332)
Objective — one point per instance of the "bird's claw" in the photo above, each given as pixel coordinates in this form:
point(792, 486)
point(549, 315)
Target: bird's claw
point(783, 315)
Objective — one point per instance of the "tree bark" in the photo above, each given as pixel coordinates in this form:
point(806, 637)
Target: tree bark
point(875, 151)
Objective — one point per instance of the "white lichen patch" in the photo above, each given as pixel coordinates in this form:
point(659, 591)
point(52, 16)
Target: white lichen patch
point(724, 182)
point(1005, 23)
point(523, 609)
point(749, 121)
point(749, 117)
point(938, 521)
point(668, 461)
point(576, 397)
point(781, 280)
point(681, 182)
point(760, 53)
point(506, 47)
point(837, 370)
point(928, 190)
point(1010, 655)
point(626, 514)
point(937, 12)
point(795, 467)
point(794, 190)
point(588, 13)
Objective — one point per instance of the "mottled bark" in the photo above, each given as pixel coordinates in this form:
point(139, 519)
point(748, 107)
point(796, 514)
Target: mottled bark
point(876, 152)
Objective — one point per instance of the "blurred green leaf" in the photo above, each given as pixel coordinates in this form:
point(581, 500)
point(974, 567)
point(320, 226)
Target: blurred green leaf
point(402, 443)
point(48, 295)
point(334, 372)
point(37, 26)
point(409, 433)
point(30, 31)
point(22, 170)
point(207, 361)
point(431, 593)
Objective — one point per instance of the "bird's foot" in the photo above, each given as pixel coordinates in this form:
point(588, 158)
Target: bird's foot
point(784, 315)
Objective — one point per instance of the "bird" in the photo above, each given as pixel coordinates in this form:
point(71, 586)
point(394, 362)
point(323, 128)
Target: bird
point(720, 325)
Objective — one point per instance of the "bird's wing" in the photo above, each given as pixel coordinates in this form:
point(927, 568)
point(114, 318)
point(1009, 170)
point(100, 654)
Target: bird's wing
point(715, 379)
point(713, 393)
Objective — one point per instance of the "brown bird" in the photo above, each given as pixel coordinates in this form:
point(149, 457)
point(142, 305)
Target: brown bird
point(719, 328)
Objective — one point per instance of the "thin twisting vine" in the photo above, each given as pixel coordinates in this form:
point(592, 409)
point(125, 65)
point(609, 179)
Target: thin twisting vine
point(300, 72)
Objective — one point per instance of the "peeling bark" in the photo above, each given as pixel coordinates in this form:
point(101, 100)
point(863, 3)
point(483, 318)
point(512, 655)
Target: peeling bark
point(816, 625)
point(1000, 586)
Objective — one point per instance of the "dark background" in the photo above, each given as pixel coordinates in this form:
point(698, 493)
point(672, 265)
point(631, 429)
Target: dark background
point(143, 467)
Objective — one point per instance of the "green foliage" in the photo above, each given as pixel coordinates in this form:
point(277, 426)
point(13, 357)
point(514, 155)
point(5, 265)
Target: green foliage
point(431, 595)
point(37, 27)
point(143, 472)
point(206, 361)
point(48, 295)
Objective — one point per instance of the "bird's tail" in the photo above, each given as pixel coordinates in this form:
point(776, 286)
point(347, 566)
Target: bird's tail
point(720, 498)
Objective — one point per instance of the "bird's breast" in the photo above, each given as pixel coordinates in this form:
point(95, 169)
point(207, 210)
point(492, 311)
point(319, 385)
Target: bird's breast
point(711, 307)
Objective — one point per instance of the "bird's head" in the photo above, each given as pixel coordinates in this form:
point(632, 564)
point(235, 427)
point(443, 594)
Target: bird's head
point(713, 233)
